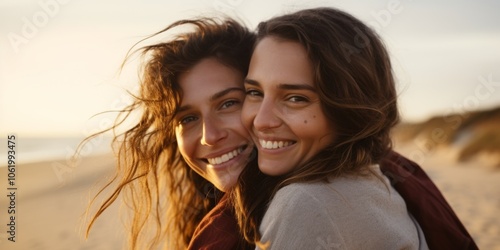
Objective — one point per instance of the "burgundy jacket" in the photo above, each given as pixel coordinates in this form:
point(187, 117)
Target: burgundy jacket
point(218, 230)
point(441, 227)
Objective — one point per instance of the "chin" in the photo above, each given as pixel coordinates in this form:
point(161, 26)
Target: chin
point(272, 168)
point(270, 171)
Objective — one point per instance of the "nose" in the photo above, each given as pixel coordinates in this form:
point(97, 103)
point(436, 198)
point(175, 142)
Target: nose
point(213, 132)
point(267, 116)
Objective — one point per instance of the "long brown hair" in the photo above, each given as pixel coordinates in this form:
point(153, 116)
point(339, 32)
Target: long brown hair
point(155, 182)
point(354, 79)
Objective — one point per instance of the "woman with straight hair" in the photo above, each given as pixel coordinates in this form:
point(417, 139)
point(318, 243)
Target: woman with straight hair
point(321, 102)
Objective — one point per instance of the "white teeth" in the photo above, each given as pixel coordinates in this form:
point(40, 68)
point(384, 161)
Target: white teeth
point(274, 144)
point(225, 157)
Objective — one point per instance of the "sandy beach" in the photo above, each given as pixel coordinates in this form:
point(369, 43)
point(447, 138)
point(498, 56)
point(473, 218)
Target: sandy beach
point(51, 199)
point(49, 208)
point(472, 189)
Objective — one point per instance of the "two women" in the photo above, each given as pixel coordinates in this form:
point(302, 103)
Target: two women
point(189, 146)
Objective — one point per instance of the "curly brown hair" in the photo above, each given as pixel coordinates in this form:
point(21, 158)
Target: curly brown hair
point(162, 191)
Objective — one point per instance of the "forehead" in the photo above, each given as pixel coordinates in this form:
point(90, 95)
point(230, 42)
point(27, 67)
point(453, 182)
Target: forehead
point(280, 60)
point(206, 78)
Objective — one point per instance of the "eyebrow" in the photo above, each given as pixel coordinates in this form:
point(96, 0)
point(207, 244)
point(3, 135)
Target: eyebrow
point(225, 92)
point(212, 98)
point(285, 86)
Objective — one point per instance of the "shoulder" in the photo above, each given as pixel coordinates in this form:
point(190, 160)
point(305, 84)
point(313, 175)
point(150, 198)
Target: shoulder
point(337, 214)
point(336, 193)
point(297, 197)
point(297, 219)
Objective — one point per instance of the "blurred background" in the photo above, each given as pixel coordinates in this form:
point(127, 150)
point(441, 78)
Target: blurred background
point(59, 68)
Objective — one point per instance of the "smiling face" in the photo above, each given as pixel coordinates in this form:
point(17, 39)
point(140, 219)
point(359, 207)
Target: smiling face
point(208, 129)
point(282, 109)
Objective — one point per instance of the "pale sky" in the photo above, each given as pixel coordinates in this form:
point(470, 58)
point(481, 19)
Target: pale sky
point(59, 59)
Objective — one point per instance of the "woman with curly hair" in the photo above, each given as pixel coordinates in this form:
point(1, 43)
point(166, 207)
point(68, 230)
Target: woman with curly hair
point(188, 146)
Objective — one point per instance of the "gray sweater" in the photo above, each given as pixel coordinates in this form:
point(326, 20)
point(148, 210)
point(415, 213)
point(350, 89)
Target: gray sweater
point(346, 213)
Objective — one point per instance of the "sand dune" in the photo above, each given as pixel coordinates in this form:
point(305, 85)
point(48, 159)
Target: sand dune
point(471, 136)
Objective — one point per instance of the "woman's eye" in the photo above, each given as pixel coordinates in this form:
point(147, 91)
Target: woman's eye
point(297, 99)
point(253, 92)
point(228, 104)
point(187, 119)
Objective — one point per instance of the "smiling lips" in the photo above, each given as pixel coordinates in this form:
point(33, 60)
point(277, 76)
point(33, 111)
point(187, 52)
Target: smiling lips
point(225, 157)
point(263, 143)
point(275, 144)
